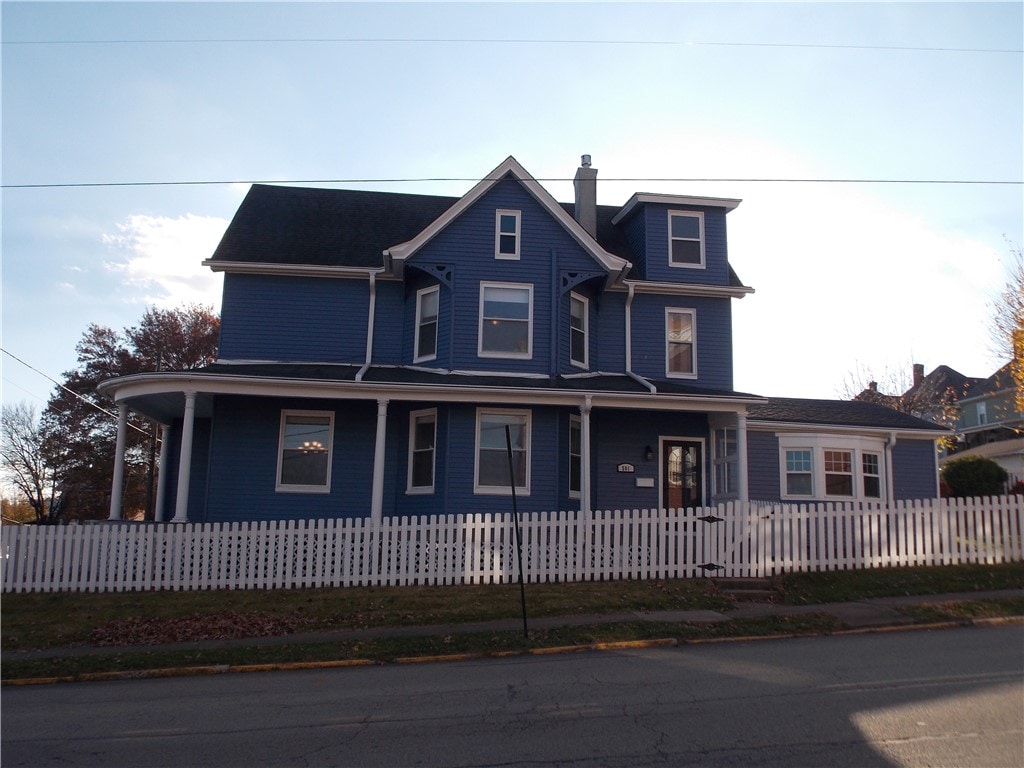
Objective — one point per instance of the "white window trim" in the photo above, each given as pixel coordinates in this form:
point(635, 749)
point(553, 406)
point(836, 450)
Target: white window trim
point(693, 214)
point(420, 294)
point(817, 444)
point(585, 362)
point(291, 488)
point(415, 416)
point(497, 234)
point(528, 354)
point(718, 463)
point(865, 475)
point(576, 421)
point(502, 490)
point(668, 343)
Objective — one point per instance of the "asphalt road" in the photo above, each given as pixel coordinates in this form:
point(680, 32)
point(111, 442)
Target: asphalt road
point(950, 697)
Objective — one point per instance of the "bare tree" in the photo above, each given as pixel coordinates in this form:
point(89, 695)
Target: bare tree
point(1007, 322)
point(24, 460)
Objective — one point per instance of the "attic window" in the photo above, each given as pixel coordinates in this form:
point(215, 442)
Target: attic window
point(506, 234)
point(686, 239)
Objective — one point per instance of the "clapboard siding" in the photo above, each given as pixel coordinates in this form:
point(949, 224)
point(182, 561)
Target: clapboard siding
point(272, 317)
point(716, 266)
point(467, 245)
point(244, 449)
point(763, 466)
point(915, 466)
point(199, 469)
point(713, 337)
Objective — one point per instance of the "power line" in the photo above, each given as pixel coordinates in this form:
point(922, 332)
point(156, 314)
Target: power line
point(434, 179)
point(504, 41)
point(84, 399)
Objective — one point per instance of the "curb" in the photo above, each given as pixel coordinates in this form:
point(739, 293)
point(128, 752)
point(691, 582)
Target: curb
point(667, 642)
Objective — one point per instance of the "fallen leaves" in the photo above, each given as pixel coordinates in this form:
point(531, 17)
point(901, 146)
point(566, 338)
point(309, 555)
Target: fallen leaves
point(137, 630)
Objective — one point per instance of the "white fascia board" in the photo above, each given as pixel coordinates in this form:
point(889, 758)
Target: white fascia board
point(614, 264)
point(687, 289)
point(790, 426)
point(291, 270)
point(126, 388)
point(729, 203)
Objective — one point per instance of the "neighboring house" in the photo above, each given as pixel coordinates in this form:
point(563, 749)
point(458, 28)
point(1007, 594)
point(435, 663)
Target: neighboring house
point(932, 397)
point(989, 424)
point(376, 349)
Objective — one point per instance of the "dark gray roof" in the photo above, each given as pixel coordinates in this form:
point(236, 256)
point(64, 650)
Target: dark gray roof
point(415, 376)
point(331, 227)
point(843, 413)
point(351, 228)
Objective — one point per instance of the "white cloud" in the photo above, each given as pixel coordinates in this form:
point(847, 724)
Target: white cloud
point(164, 258)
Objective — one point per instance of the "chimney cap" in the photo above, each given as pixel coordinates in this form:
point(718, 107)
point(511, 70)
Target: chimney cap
point(585, 161)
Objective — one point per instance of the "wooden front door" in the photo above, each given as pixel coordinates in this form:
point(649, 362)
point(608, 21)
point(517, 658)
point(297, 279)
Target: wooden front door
point(682, 474)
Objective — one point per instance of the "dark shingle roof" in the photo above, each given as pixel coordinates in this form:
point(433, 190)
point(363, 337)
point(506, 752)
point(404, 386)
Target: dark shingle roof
point(846, 413)
point(331, 227)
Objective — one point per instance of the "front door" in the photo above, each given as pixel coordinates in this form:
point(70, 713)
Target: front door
point(682, 474)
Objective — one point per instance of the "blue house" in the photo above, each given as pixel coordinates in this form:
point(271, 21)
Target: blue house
point(379, 352)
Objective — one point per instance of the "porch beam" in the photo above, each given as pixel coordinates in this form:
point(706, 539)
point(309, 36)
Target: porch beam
point(185, 460)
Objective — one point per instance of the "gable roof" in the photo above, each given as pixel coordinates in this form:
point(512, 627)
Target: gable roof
point(839, 413)
point(616, 265)
point(1000, 381)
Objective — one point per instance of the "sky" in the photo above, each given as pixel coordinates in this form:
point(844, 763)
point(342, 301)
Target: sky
point(131, 132)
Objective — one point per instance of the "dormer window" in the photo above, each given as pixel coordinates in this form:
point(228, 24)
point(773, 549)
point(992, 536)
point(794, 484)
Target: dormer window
point(686, 239)
point(506, 234)
point(426, 324)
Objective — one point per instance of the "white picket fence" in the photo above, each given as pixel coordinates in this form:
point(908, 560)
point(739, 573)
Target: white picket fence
point(732, 540)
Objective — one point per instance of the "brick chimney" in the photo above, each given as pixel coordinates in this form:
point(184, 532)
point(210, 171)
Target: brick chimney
point(918, 373)
point(586, 196)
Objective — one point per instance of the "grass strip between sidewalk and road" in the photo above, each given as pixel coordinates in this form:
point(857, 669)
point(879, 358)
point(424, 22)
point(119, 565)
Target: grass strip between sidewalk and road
point(113, 632)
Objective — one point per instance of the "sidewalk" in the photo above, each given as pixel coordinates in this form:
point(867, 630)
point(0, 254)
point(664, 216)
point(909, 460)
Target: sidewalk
point(876, 613)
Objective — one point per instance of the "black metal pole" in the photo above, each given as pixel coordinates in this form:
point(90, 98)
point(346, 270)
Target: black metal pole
point(515, 521)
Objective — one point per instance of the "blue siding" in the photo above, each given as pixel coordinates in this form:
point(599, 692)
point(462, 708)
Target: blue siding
point(915, 465)
point(716, 266)
point(389, 336)
point(713, 340)
point(270, 317)
point(763, 483)
point(198, 473)
point(467, 244)
point(622, 436)
point(610, 332)
point(635, 229)
point(244, 449)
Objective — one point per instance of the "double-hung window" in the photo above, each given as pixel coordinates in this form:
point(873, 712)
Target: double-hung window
point(578, 330)
point(686, 239)
point(838, 472)
point(726, 463)
point(492, 458)
point(506, 320)
point(422, 442)
point(872, 475)
point(799, 472)
point(506, 234)
point(304, 453)
point(426, 324)
point(680, 358)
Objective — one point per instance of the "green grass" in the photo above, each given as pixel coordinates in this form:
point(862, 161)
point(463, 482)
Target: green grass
point(383, 650)
point(48, 620)
point(844, 586)
point(963, 610)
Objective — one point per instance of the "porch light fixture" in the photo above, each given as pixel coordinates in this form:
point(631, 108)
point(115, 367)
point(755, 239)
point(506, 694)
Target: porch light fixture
point(649, 453)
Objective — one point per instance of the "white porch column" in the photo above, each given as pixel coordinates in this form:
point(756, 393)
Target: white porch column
point(185, 460)
point(742, 491)
point(585, 457)
point(117, 486)
point(160, 512)
point(377, 500)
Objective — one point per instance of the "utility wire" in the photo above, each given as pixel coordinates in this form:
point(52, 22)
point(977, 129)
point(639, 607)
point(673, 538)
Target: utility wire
point(86, 184)
point(84, 399)
point(506, 41)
